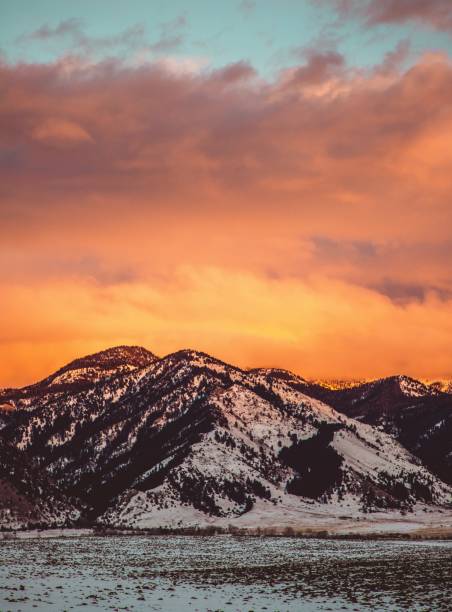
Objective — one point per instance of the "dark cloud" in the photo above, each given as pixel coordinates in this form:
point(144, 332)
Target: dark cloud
point(233, 73)
point(436, 14)
point(405, 293)
point(319, 67)
point(354, 250)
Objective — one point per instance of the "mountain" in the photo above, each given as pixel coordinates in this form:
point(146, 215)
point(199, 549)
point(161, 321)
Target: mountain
point(188, 439)
point(337, 383)
point(6, 410)
point(81, 374)
point(444, 385)
point(374, 399)
point(28, 498)
point(417, 414)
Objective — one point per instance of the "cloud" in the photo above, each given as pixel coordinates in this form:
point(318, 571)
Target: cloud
point(317, 327)
point(72, 33)
point(60, 132)
point(68, 27)
point(233, 73)
point(302, 222)
point(319, 67)
point(394, 59)
point(247, 6)
point(435, 14)
point(171, 35)
point(367, 149)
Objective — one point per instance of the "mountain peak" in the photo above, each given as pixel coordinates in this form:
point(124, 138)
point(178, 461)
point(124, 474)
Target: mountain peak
point(102, 364)
point(116, 355)
point(85, 371)
point(200, 359)
point(410, 386)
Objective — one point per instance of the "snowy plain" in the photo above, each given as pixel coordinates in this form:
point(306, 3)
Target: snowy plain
point(174, 573)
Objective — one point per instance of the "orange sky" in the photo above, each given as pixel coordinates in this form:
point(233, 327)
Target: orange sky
point(303, 222)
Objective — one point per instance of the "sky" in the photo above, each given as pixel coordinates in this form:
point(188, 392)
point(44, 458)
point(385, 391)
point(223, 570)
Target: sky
point(268, 181)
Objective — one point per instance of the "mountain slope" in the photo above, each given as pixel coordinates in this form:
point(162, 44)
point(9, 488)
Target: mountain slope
point(188, 437)
point(28, 498)
point(419, 416)
point(81, 374)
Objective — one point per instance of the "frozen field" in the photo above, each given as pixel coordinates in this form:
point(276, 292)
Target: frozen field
point(223, 573)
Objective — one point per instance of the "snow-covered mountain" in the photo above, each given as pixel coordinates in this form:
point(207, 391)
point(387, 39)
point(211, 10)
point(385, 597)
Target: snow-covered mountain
point(185, 439)
point(443, 384)
point(417, 414)
point(81, 374)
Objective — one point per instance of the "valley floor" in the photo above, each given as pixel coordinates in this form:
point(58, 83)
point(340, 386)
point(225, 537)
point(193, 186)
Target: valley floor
point(304, 517)
point(174, 573)
point(426, 522)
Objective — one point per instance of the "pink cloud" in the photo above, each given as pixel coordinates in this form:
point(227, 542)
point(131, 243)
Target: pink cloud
point(325, 187)
point(60, 132)
point(319, 67)
point(437, 13)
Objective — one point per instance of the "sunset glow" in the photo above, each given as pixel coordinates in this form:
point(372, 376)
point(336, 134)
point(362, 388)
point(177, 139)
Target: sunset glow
point(290, 209)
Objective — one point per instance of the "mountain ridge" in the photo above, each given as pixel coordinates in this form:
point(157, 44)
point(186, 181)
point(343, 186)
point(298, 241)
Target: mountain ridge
point(158, 441)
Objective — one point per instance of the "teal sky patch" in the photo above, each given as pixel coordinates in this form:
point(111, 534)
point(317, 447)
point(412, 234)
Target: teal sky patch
point(270, 34)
